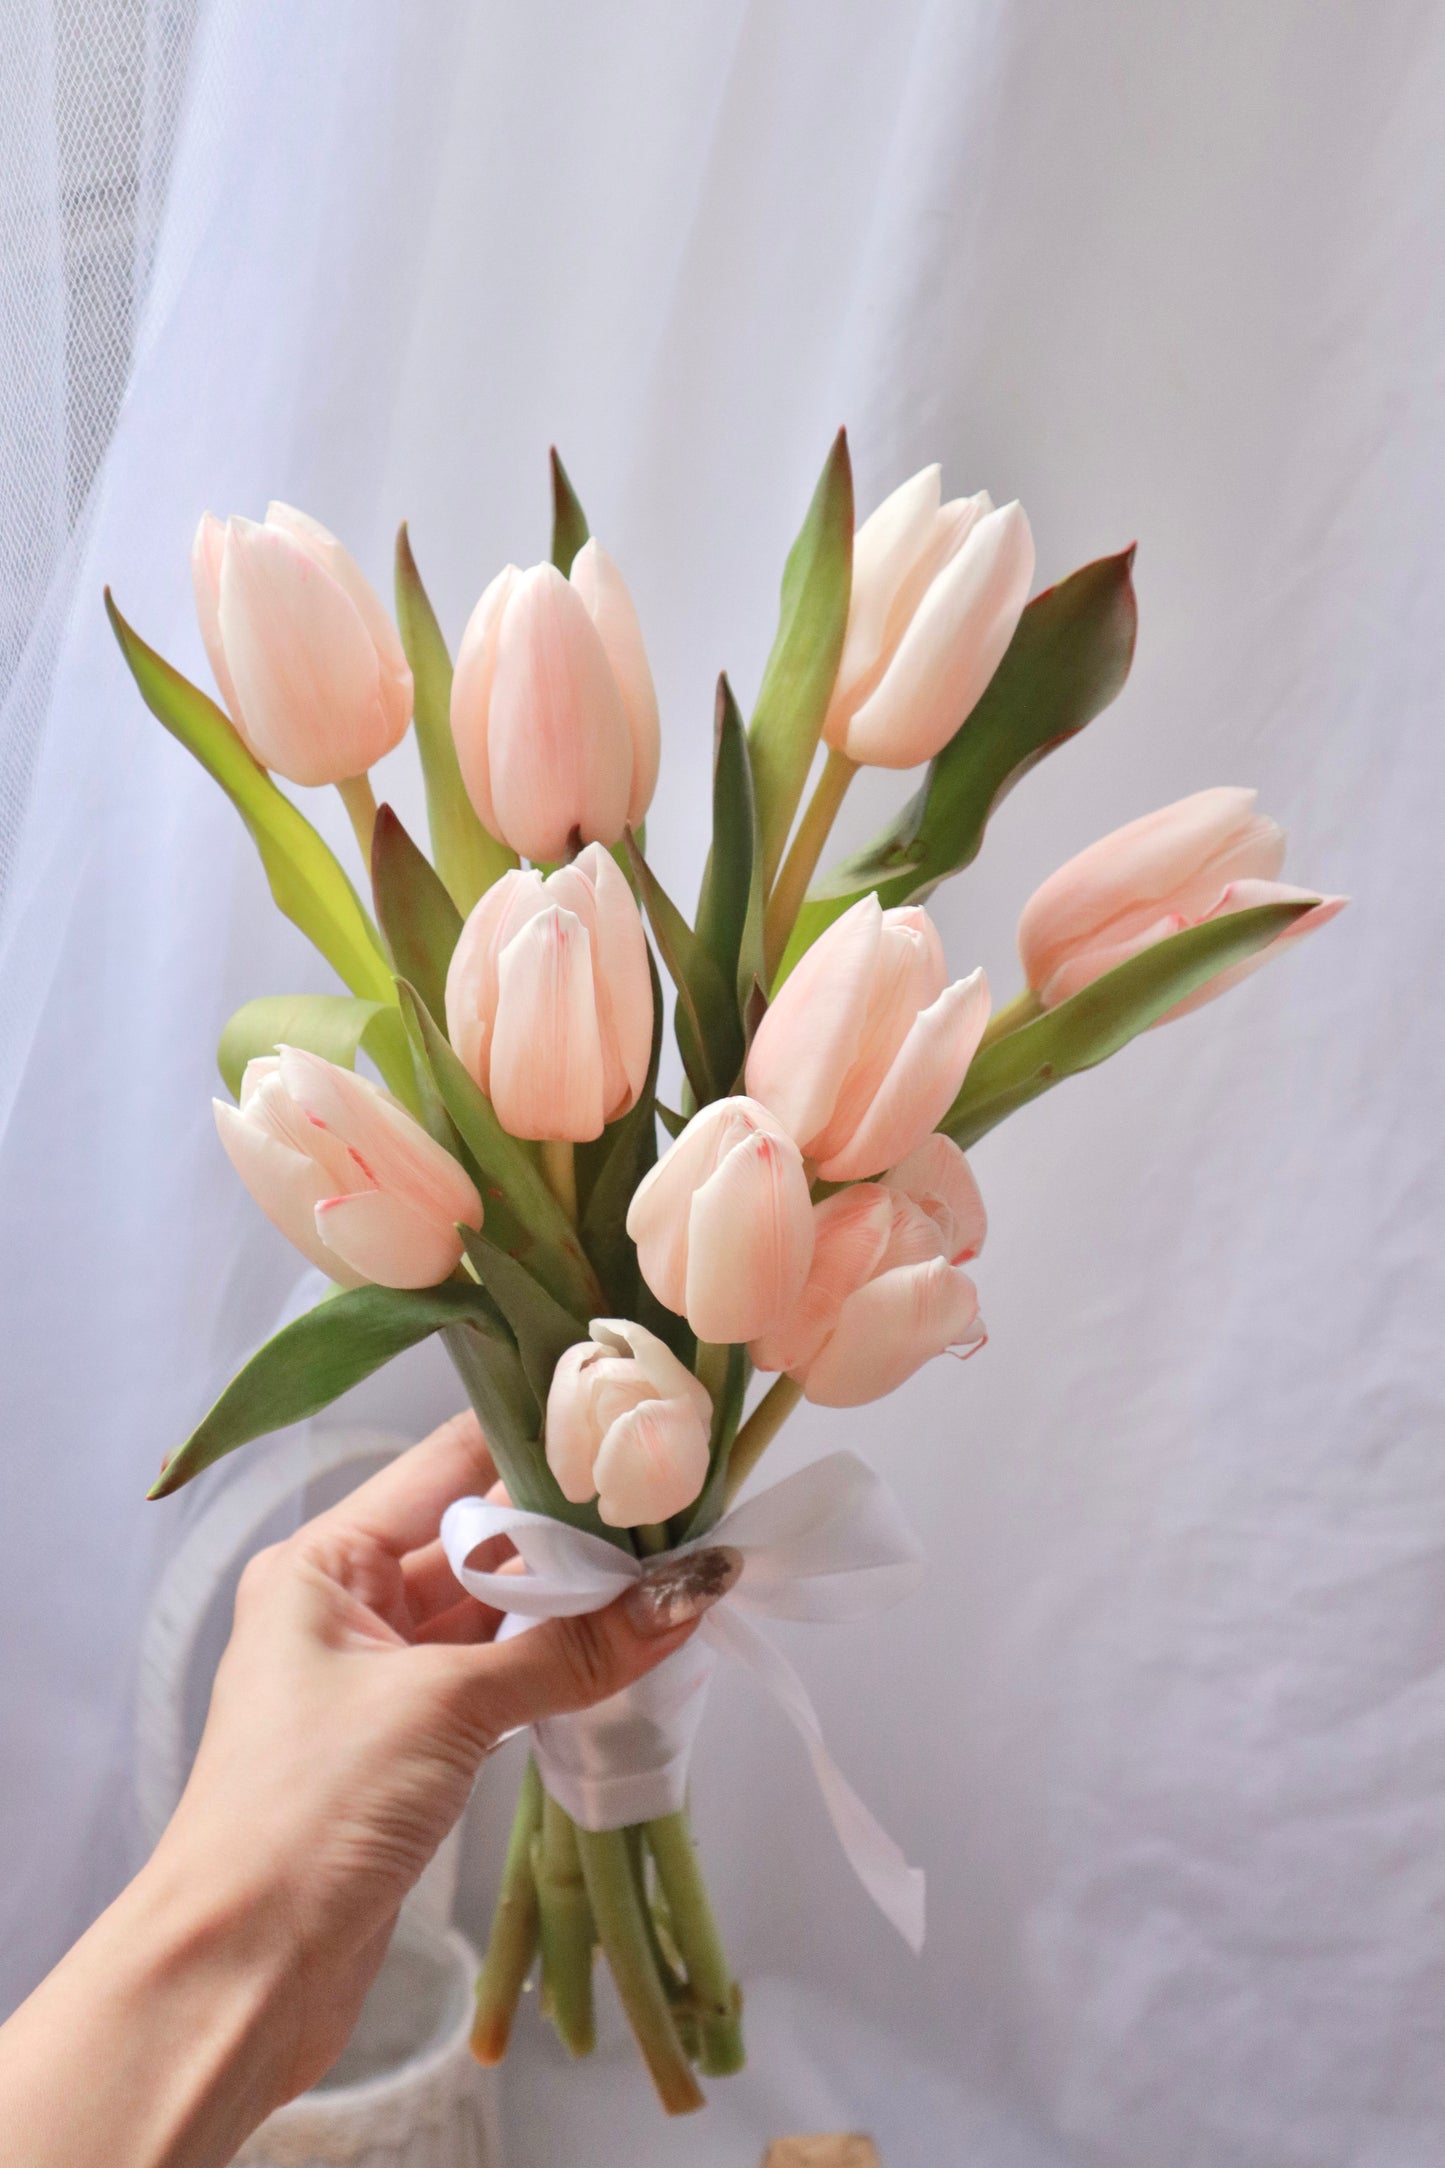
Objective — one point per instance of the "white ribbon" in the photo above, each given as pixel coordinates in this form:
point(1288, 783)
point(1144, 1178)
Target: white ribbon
point(827, 1543)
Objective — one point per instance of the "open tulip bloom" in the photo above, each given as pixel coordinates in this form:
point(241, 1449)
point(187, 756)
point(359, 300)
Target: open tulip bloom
point(634, 1297)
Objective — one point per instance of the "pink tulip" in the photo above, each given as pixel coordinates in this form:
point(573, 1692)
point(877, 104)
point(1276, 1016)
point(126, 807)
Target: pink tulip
point(549, 998)
point(305, 657)
point(553, 710)
point(723, 1223)
point(628, 1424)
point(937, 592)
point(866, 1044)
point(1199, 859)
point(884, 1294)
point(345, 1172)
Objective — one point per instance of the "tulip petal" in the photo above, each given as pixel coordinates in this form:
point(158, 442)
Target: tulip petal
point(386, 1239)
point(668, 1378)
point(206, 553)
point(571, 1436)
point(889, 1329)
point(921, 1084)
point(559, 742)
point(624, 981)
point(938, 1179)
point(284, 1183)
point(951, 648)
point(850, 1235)
point(909, 972)
point(1178, 858)
point(610, 607)
point(651, 1464)
point(472, 680)
point(302, 662)
point(809, 1038)
point(324, 549)
point(750, 1240)
point(471, 990)
point(397, 1152)
point(546, 1062)
point(886, 550)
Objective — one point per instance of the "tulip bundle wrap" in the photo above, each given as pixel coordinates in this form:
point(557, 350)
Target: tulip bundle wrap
point(826, 1544)
point(610, 1278)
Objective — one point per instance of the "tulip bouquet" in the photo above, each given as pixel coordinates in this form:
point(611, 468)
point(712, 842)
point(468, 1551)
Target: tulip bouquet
point(635, 1295)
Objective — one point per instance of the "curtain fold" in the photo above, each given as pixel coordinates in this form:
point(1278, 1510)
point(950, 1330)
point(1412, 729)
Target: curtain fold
point(1167, 1726)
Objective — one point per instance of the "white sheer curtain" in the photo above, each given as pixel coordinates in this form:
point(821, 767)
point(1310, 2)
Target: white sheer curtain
point(1168, 1727)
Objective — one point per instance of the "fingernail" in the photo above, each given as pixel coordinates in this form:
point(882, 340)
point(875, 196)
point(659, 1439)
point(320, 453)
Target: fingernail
point(676, 1590)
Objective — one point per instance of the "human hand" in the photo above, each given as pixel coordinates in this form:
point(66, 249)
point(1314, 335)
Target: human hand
point(359, 1693)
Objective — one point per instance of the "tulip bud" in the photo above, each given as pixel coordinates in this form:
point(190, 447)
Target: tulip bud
point(884, 1293)
point(1199, 859)
point(937, 592)
point(549, 998)
point(306, 659)
point(628, 1424)
point(553, 709)
point(345, 1172)
point(723, 1223)
point(865, 1046)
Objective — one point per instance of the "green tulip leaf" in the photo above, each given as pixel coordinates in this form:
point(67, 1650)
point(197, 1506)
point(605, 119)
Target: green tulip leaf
point(569, 521)
point(335, 1026)
point(310, 1363)
point(709, 1035)
point(467, 857)
point(541, 1327)
point(730, 903)
point(419, 922)
point(306, 880)
point(522, 1216)
point(608, 1172)
point(1068, 658)
point(1105, 1016)
point(798, 677)
point(726, 1416)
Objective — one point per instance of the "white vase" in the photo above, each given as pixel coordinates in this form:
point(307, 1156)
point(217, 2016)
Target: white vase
point(406, 2093)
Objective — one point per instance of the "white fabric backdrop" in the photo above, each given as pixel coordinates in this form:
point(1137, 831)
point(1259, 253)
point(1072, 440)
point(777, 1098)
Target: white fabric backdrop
point(1168, 1727)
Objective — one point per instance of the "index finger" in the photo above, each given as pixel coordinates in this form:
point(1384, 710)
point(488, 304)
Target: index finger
point(401, 1508)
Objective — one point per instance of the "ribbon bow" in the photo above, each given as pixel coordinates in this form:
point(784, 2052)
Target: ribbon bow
point(827, 1543)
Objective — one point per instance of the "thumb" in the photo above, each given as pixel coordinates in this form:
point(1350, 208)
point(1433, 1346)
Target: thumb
point(570, 1663)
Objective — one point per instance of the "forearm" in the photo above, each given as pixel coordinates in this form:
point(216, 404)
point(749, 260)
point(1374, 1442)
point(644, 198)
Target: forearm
point(153, 2043)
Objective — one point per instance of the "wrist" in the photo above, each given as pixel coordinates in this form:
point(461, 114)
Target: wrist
point(161, 2040)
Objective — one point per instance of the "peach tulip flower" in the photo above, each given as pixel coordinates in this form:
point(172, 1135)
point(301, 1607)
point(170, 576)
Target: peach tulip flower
point(345, 1172)
point(885, 1293)
point(305, 657)
point(866, 1043)
point(1200, 858)
point(937, 592)
point(549, 998)
point(553, 709)
point(723, 1223)
point(628, 1424)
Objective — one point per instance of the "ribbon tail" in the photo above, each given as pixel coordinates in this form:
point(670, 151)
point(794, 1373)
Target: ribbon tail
point(895, 1887)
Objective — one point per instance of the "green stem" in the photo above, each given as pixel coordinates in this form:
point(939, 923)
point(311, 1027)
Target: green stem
point(565, 1923)
point(1021, 1010)
point(719, 2003)
point(512, 1943)
point(801, 862)
point(559, 1169)
point(617, 1909)
point(758, 1433)
point(359, 800)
